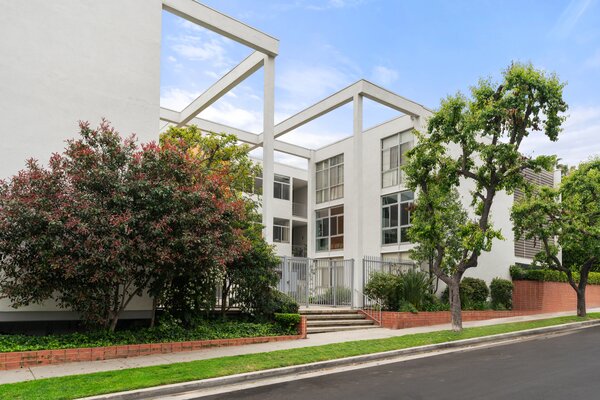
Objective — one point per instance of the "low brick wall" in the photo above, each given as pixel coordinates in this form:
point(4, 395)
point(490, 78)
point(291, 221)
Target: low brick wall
point(23, 359)
point(551, 296)
point(400, 320)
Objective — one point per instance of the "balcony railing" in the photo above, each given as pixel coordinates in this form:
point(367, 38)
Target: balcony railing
point(299, 251)
point(299, 210)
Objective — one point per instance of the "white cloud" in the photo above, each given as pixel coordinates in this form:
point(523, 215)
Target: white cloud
point(194, 49)
point(384, 75)
point(176, 99)
point(570, 17)
point(579, 141)
point(311, 82)
point(226, 113)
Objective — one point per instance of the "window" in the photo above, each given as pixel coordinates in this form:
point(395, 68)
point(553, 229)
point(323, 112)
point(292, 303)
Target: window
point(281, 230)
point(395, 217)
point(330, 179)
point(330, 229)
point(258, 184)
point(281, 187)
point(393, 156)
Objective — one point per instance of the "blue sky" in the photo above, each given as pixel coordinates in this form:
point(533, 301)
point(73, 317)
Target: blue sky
point(423, 50)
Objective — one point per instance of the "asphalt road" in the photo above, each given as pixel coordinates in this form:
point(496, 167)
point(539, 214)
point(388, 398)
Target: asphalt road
point(557, 367)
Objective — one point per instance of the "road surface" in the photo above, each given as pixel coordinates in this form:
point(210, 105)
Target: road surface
point(556, 367)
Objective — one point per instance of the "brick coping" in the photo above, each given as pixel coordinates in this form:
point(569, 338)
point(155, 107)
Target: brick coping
point(400, 320)
point(25, 359)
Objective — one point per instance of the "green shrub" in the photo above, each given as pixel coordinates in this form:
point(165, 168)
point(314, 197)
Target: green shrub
point(386, 288)
point(501, 292)
point(343, 295)
point(406, 306)
point(475, 290)
point(166, 331)
point(548, 275)
point(473, 294)
point(396, 291)
point(288, 322)
point(416, 287)
point(282, 303)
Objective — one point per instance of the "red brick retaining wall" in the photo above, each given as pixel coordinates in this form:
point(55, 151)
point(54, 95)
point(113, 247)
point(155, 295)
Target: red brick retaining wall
point(400, 320)
point(22, 359)
point(551, 296)
point(529, 297)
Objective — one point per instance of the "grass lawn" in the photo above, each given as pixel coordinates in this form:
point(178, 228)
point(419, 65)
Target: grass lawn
point(70, 387)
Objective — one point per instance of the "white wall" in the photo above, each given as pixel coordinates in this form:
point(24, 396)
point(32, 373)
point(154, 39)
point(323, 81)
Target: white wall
point(64, 61)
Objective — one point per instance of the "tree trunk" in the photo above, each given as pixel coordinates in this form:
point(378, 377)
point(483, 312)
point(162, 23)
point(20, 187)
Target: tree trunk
point(455, 306)
point(114, 320)
point(224, 292)
point(153, 319)
point(581, 310)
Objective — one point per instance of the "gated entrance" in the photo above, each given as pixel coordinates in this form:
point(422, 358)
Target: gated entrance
point(317, 281)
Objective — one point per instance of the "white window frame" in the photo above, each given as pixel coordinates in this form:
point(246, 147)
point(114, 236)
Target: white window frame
point(404, 198)
point(332, 223)
point(326, 171)
point(281, 184)
point(281, 230)
point(391, 165)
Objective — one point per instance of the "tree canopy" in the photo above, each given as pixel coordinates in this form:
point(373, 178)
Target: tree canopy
point(472, 144)
point(108, 221)
point(567, 218)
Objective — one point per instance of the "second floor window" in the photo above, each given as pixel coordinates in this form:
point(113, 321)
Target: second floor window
point(330, 179)
point(281, 230)
point(281, 187)
point(395, 217)
point(330, 229)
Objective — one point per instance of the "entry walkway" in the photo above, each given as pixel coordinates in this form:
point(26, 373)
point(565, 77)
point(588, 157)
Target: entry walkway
point(86, 367)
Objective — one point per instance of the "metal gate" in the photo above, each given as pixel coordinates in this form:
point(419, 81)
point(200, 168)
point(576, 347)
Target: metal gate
point(377, 264)
point(317, 281)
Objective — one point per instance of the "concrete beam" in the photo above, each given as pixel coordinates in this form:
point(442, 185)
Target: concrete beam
point(169, 115)
point(210, 126)
point(243, 70)
point(250, 138)
point(391, 99)
point(231, 28)
point(329, 104)
point(292, 149)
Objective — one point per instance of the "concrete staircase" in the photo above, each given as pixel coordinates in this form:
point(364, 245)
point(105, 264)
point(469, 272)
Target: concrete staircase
point(335, 320)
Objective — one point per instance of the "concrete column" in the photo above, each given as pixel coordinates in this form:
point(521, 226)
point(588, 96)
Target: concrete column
point(355, 241)
point(268, 146)
point(310, 206)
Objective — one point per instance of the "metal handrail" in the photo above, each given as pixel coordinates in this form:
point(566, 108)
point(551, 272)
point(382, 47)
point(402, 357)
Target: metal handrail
point(377, 303)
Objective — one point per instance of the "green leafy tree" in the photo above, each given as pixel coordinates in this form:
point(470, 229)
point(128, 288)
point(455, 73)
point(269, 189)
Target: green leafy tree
point(474, 142)
point(108, 221)
point(569, 218)
point(248, 279)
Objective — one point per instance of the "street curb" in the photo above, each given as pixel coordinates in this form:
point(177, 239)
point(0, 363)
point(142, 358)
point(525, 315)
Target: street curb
point(178, 388)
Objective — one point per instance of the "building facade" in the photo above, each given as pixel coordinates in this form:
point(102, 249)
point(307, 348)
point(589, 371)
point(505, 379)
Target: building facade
point(352, 201)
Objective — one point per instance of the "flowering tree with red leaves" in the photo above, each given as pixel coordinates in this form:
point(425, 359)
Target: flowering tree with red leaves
point(108, 221)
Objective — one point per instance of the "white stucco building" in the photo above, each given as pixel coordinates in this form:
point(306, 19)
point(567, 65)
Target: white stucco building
point(65, 61)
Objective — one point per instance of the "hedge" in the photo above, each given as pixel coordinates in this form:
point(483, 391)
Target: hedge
point(549, 275)
point(160, 334)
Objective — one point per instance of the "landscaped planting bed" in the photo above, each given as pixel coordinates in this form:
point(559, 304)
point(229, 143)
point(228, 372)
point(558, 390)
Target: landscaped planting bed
point(163, 334)
point(19, 351)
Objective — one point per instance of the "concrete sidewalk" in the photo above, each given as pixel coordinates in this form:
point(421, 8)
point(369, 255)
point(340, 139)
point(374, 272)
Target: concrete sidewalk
point(49, 371)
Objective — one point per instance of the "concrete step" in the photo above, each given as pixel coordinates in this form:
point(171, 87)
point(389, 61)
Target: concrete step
point(315, 317)
point(324, 329)
point(340, 322)
point(314, 311)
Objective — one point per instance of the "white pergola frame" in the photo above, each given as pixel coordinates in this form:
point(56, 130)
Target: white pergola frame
point(265, 50)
